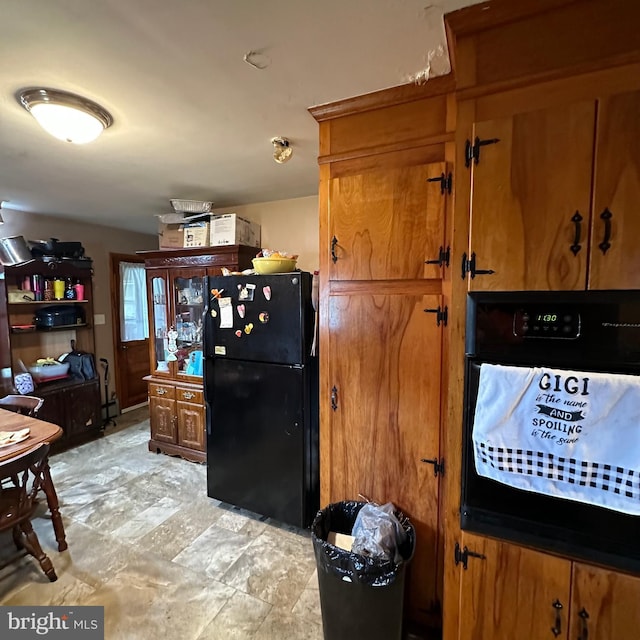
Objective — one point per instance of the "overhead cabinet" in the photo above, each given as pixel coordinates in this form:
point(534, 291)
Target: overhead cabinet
point(388, 224)
point(554, 197)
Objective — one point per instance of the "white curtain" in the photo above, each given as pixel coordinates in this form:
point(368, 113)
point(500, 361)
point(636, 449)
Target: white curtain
point(134, 315)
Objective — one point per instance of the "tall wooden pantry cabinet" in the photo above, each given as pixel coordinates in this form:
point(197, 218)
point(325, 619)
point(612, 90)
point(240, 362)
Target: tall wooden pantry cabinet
point(548, 113)
point(176, 299)
point(384, 195)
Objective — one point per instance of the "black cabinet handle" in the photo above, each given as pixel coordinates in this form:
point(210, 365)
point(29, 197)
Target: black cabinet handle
point(334, 398)
point(557, 628)
point(334, 242)
point(575, 247)
point(584, 631)
point(606, 216)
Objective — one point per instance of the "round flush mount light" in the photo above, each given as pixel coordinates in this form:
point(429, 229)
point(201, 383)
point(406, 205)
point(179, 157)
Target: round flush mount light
point(64, 115)
point(282, 150)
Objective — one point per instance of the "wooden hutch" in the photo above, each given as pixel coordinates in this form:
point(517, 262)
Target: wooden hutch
point(177, 301)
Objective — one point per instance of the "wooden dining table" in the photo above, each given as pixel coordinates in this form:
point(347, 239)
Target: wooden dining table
point(39, 431)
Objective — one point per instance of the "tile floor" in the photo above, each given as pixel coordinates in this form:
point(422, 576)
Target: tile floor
point(163, 559)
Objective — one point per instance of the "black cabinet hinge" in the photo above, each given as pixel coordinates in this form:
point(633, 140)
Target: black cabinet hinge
point(472, 151)
point(442, 315)
point(446, 182)
point(438, 465)
point(462, 555)
point(469, 266)
point(443, 257)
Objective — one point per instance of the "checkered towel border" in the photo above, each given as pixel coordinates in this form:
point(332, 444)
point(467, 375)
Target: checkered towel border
point(624, 482)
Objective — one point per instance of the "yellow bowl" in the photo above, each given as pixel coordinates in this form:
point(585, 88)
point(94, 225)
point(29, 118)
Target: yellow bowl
point(274, 265)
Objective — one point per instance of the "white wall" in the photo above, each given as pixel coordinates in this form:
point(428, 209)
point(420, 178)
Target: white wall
point(287, 225)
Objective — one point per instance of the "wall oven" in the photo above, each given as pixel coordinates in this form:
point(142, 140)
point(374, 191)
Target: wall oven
point(583, 333)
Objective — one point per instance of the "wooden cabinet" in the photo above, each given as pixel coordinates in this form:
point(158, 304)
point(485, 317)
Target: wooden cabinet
point(548, 202)
point(44, 327)
point(604, 604)
point(383, 200)
point(177, 302)
point(508, 591)
point(386, 224)
point(177, 420)
point(537, 222)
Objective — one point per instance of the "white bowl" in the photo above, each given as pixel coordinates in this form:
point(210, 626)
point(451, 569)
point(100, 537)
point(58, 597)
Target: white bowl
point(49, 371)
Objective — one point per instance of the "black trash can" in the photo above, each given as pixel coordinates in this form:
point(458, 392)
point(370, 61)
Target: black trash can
point(360, 597)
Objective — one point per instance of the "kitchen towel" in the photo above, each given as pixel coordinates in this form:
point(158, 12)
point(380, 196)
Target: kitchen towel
point(568, 434)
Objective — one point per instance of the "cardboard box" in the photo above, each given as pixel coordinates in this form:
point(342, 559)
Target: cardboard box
point(230, 228)
point(196, 234)
point(170, 236)
point(171, 230)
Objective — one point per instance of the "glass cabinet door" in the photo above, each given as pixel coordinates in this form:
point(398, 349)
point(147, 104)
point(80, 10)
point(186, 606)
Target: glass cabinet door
point(159, 337)
point(185, 337)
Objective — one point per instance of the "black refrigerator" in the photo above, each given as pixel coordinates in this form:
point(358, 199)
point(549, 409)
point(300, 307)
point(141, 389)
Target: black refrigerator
point(261, 395)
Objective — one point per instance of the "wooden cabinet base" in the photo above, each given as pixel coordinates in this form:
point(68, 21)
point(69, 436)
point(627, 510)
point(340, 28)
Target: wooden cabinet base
point(177, 450)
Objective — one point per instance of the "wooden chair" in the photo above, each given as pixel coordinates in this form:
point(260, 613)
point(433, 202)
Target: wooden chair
point(26, 405)
point(17, 503)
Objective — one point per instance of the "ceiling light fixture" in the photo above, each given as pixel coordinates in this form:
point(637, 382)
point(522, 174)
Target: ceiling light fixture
point(66, 116)
point(282, 150)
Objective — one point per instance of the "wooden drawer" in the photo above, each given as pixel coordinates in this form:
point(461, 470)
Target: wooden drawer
point(162, 391)
point(189, 395)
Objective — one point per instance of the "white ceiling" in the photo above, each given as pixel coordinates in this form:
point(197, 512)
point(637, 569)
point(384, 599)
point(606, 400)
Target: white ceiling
point(192, 119)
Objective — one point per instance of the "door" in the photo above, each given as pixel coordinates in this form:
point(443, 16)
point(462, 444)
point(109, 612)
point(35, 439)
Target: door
point(615, 259)
point(387, 224)
point(531, 194)
point(512, 592)
point(130, 329)
point(384, 413)
point(257, 441)
point(604, 604)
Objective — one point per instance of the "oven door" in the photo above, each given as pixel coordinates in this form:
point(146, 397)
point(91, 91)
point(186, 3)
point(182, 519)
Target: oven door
point(565, 526)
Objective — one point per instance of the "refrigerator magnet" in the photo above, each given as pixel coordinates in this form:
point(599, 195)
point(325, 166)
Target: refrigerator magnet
point(216, 293)
point(246, 291)
point(226, 313)
point(238, 333)
point(248, 328)
point(263, 317)
point(266, 290)
point(240, 309)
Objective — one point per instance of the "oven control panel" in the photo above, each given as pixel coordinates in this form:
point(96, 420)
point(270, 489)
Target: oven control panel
point(546, 322)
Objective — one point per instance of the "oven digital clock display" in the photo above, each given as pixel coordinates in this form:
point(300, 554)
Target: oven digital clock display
point(547, 322)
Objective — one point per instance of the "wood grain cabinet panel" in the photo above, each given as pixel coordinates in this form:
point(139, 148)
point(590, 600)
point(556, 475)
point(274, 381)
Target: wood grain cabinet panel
point(162, 418)
point(512, 592)
point(190, 425)
point(386, 224)
point(385, 356)
point(532, 220)
point(615, 259)
point(604, 604)
point(527, 189)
